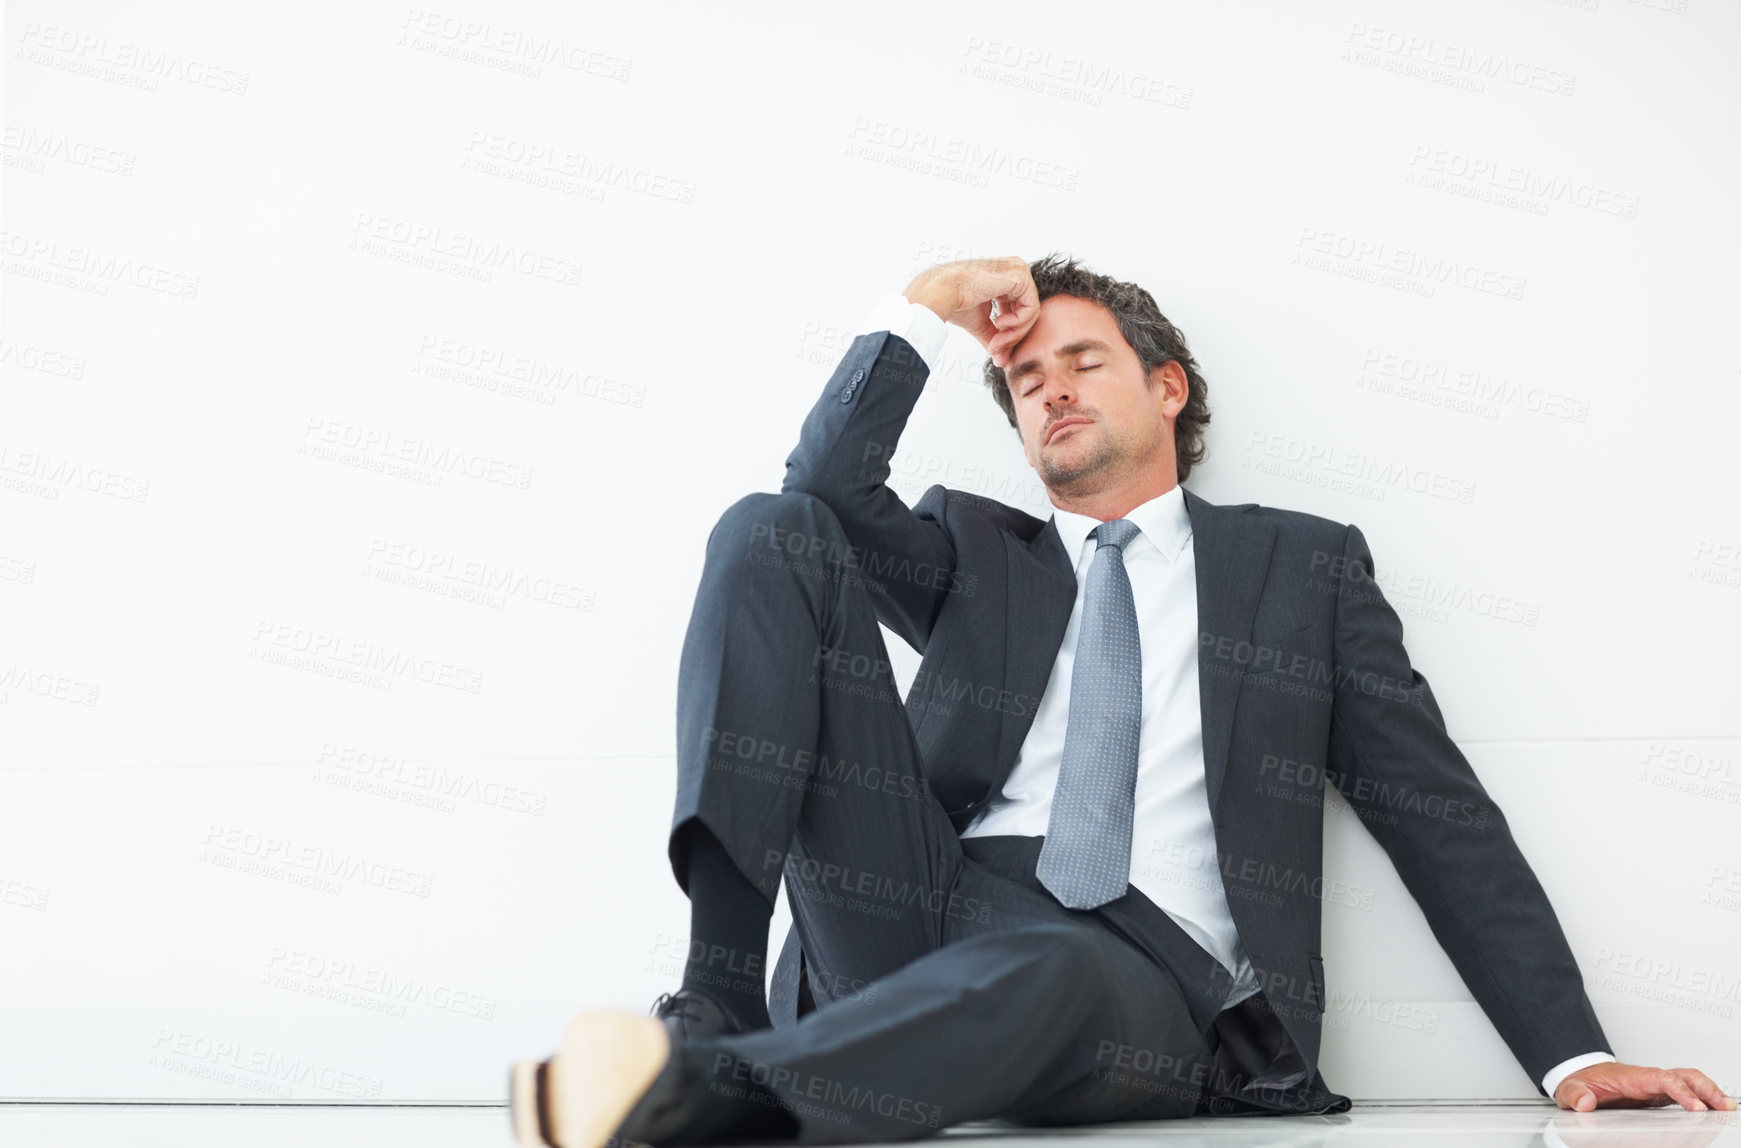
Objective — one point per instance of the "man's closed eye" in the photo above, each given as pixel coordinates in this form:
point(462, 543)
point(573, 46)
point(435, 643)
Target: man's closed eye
point(1036, 386)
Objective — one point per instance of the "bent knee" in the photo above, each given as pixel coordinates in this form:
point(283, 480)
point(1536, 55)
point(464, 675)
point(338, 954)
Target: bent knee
point(792, 524)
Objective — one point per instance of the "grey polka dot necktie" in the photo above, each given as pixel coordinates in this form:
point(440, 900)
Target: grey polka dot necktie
point(1085, 860)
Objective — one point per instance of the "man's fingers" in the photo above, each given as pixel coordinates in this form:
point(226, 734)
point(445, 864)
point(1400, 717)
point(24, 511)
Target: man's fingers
point(984, 329)
point(1026, 299)
point(1707, 1089)
point(1678, 1090)
point(1019, 305)
point(1017, 319)
point(1663, 1087)
point(1018, 316)
point(1008, 281)
point(1701, 1087)
point(1004, 341)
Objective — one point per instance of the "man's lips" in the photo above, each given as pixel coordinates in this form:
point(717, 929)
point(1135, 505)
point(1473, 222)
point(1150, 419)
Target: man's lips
point(1061, 424)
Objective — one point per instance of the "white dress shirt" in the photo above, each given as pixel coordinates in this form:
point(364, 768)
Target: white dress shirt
point(1174, 860)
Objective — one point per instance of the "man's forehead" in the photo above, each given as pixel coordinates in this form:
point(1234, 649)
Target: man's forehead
point(1066, 326)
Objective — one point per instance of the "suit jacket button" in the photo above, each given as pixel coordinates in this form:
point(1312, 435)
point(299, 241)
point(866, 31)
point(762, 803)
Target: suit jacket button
point(858, 374)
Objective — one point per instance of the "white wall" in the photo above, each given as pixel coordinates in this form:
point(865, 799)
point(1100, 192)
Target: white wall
point(237, 238)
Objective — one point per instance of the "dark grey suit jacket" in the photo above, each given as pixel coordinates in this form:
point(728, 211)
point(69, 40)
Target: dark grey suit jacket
point(1303, 678)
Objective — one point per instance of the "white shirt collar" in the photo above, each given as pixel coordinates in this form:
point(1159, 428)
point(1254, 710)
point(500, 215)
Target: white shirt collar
point(1163, 520)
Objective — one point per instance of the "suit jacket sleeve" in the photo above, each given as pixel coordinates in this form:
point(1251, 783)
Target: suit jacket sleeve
point(1393, 761)
point(905, 556)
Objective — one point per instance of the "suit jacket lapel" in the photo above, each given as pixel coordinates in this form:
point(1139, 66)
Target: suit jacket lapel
point(1042, 592)
point(1232, 554)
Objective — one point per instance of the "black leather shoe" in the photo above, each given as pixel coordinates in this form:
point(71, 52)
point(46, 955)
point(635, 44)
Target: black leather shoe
point(692, 1013)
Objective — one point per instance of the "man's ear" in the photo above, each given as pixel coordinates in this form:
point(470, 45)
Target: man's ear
point(1170, 373)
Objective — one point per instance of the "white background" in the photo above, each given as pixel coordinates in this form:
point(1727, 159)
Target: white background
point(1483, 248)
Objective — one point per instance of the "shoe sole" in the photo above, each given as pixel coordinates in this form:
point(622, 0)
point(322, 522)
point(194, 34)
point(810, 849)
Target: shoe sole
point(580, 1096)
point(523, 1103)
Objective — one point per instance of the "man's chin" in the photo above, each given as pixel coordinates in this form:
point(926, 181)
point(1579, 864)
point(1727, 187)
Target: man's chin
point(1064, 468)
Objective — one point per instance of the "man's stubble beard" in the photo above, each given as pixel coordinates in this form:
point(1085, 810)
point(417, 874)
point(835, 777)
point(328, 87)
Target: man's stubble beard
point(1111, 457)
point(1066, 478)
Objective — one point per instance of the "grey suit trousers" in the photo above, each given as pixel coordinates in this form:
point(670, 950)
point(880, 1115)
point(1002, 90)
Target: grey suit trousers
point(949, 985)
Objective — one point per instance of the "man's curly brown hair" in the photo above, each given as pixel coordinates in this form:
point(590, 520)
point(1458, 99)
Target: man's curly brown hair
point(1149, 333)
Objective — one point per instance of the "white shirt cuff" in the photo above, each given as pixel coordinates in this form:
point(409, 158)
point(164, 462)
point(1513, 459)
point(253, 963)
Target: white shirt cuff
point(914, 322)
point(1565, 1068)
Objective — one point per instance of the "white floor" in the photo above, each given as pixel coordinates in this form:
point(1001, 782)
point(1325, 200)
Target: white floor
point(1383, 1123)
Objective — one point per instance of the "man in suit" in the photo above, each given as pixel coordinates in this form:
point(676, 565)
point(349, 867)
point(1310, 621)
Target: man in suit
point(1076, 876)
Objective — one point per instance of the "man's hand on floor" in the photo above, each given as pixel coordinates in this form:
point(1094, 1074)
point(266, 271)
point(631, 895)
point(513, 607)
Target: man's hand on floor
point(1611, 1085)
